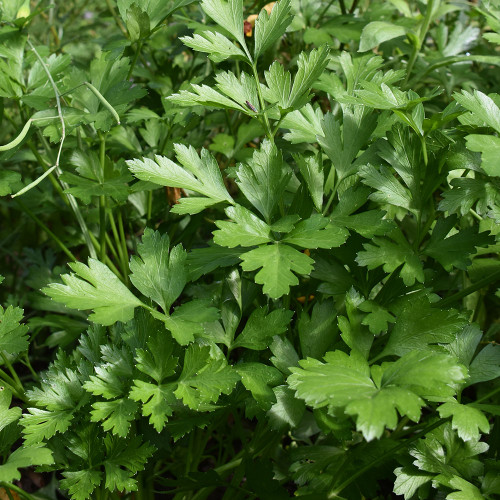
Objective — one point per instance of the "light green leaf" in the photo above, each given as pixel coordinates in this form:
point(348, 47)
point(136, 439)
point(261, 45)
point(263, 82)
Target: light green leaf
point(24, 457)
point(80, 484)
point(42, 424)
point(7, 414)
point(219, 47)
point(419, 325)
point(317, 232)
point(205, 376)
point(102, 291)
point(158, 272)
point(312, 172)
point(188, 318)
point(489, 147)
point(115, 415)
point(259, 380)
point(157, 401)
point(391, 254)
point(264, 178)
point(408, 481)
point(287, 411)
point(277, 262)
point(269, 28)
point(246, 230)
point(203, 95)
point(466, 490)
point(376, 32)
point(467, 421)
point(13, 335)
point(198, 173)
point(482, 106)
point(228, 15)
point(261, 327)
point(240, 89)
point(309, 69)
point(304, 125)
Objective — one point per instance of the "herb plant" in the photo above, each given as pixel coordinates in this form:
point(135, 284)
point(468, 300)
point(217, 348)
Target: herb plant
point(281, 234)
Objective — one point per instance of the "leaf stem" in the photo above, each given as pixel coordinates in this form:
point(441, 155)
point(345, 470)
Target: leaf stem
point(333, 493)
point(467, 291)
point(262, 104)
point(102, 198)
point(421, 37)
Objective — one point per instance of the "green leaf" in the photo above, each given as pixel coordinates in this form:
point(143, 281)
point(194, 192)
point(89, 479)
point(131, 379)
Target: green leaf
point(309, 69)
point(41, 424)
point(205, 376)
point(13, 335)
point(376, 32)
point(312, 172)
point(269, 28)
point(198, 173)
point(264, 179)
point(408, 481)
point(240, 89)
point(115, 415)
point(389, 189)
point(80, 484)
point(138, 24)
point(246, 230)
point(317, 232)
point(489, 147)
point(158, 272)
point(318, 330)
point(218, 46)
point(228, 15)
point(9, 182)
point(124, 458)
point(278, 263)
point(378, 318)
point(486, 365)
point(304, 125)
point(203, 95)
point(344, 382)
point(467, 491)
point(419, 325)
point(482, 107)
point(202, 261)
point(391, 254)
point(24, 457)
point(467, 421)
point(261, 327)
point(287, 411)
point(453, 251)
point(259, 380)
point(157, 401)
point(102, 291)
point(7, 414)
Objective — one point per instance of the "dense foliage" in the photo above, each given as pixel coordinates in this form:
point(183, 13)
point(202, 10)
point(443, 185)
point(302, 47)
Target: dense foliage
point(281, 234)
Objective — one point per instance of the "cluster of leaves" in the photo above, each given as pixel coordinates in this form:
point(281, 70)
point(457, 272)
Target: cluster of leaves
point(283, 258)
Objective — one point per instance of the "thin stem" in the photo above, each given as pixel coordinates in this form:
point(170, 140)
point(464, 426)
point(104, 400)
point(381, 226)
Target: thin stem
point(421, 37)
point(334, 492)
point(19, 491)
point(118, 22)
point(15, 377)
point(71, 198)
point(323, 12)
point(134, 60)
point(102, 199)
point(262, 104)
point(467, 291)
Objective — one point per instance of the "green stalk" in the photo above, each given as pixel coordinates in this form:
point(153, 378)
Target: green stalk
point(134, 60)
point(467, 291)
point(102, 200)
point(15, 377)
point(334, 492)
point(262, 104)
point(124, 246)
point(421, 37)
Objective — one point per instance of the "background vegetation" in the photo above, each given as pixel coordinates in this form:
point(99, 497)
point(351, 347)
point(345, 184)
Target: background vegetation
point(281, 234)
